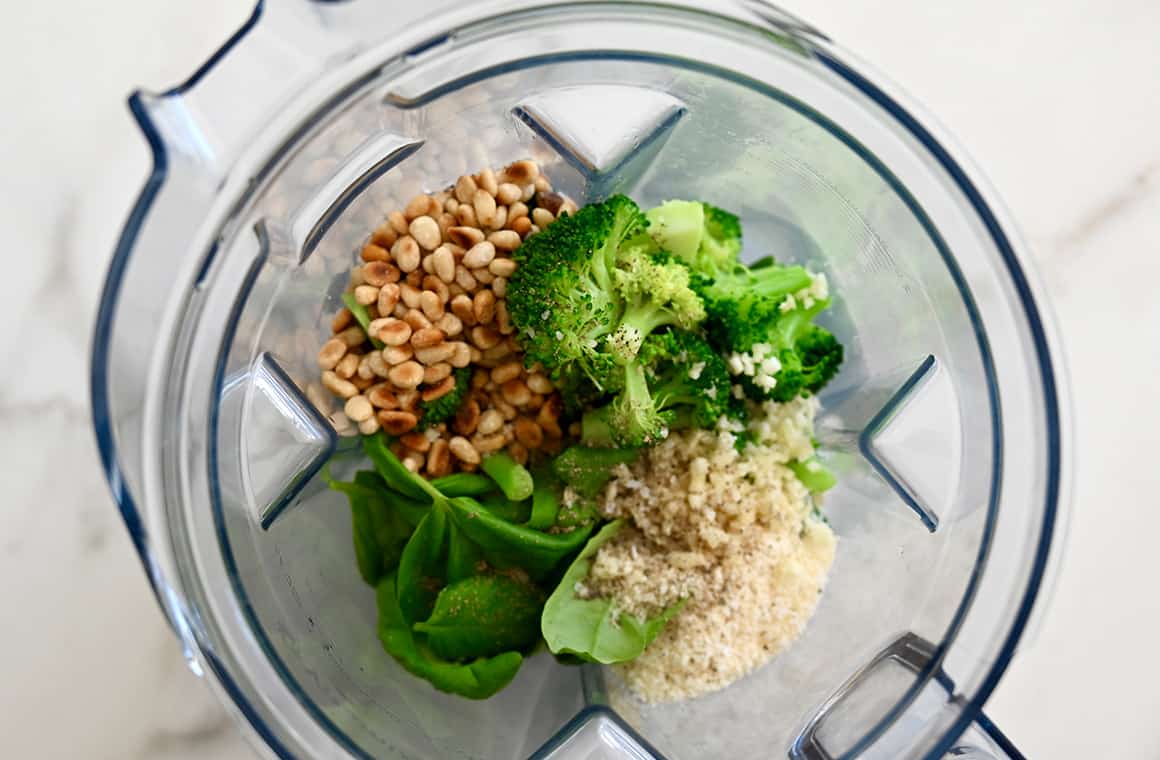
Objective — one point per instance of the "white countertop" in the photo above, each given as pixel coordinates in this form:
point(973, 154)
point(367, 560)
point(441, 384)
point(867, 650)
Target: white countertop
point(1056, 99)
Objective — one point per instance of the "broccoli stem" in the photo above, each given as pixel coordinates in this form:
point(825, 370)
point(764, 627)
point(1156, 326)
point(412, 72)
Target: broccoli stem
point(512, 477)
point(775, 282)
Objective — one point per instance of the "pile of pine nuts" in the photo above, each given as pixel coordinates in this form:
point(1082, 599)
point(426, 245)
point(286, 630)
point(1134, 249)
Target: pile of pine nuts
point(434, 280)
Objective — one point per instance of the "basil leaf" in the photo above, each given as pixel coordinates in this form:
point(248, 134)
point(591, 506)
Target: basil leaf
point(463, 484)
point(483, 616)
point(397, 477)
point(506, 545)
point(362, 316)
point(422, 568)
point(475, 680)
point(410, 510)
point(592, 629)
point(367, 551)
point(505, 509)
point(463, 555)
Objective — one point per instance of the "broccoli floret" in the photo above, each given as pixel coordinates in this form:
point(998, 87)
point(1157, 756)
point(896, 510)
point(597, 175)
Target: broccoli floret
point(678, 381)
point(706, 238)
point(443, 408)
point(587, 291)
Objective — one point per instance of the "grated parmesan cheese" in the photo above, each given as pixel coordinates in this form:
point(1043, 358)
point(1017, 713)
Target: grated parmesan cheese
point(731, 532)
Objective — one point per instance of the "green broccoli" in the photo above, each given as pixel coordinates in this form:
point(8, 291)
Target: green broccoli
point(678, 381)
point(588, 289)
point(588, 470)
point(444, 408)
point(706, 238)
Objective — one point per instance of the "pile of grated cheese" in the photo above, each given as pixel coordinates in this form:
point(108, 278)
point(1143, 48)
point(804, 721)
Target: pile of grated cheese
point(733, 533)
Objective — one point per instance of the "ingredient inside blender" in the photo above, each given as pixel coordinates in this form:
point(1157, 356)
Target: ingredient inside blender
point(523, 371)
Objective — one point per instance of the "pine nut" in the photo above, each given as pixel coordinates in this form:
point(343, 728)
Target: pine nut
point(507, 410)
point(505, 240)
point(398, 222)
point(388, 297)
point(465, 279)
point(397, 422)
point(483, 307)
point(568, 208)
point(506, 371)
point(332, 351)
point(435, 354)
point(484, 337)
point(488, 181)
point(507, 193)
point(373, 252)
point(529, 193)
point(550, 202)
point(522, 226)
point(499, 287)
point(479, 255)
point(462, 307)
point(406, 253)
point(503, 319)
point(384, 236)
point(436, 372)
point(426, 338)
point(439, 390)
point(410, 295)
point(342, 320)
point(465, 236)
point(438, 287)
point(415, 278)
point(500, 219)
point(413, 462)
point(425, 231)
point(358, 408)
point(392, 331)
point(485, 208)
point(393, 355)
point(361, 383)
point(369, 426)
point(439, 459)
point(377, 363)
point(416, 442)
point(463, 450)
point(431, 304)
point(467, 417)
point(522, 172)
point(451, 204)
point(518, 452)
point(496, 353)
point(480, 378)
point(465, 188)
point(443, 264)
point(450, 324)
point(366, 294)
point(489, 444)
point(490, 422)
point(515, 211)
point(462, 356)
point(337, 385)
point(482, 276)
point(381, 396)
point(347, 366)
point(417, 206)
point(549, 417)
point(379, 273)
point(408, 399)
point(543, 217)
point(406, 375)
point(539, 383)
point(446, 221)
point(502, 267)
point(416, 319)
point(528, 433)
point(352, 336)
point(364, 366)
point(516, 392)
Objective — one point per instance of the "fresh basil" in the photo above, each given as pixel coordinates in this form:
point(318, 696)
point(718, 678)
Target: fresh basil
point(463, 484)
point(483, 616)
point(422, 567)
point(505, 545)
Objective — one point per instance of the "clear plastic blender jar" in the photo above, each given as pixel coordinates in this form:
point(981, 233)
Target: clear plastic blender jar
point(273, 162)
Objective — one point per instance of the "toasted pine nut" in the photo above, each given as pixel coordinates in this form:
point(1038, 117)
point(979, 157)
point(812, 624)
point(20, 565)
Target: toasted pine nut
point(503, 318)
point(408, 399)
point(332, 351)
point(528, 433)
point(438, 287)
point(384, 236)
point(369, 426)
point(465, 215)
point(426, 338)
point(463, 450)
point(450, 324)
point(435, 354)
point(496, 353)
point(539, 383)
point(506, 371)
point(342, 320)
point(465, 279)
point(443, 264)
point(414, 278)
point(366, 294)
point(431, 304)
point(439, 459)
point(374, 252)
point(482, 276)
point(380, 395)
point(406, 375)
point(406, 253)
point(490, 422)
point(416, 319)
point(397, 422)
point(377, 363)
point(465, 236)
point(523, 226)
point(347, 366)
point(413, 462)
point(479, 255)
point(507, 193)
point(522, 172)
point(507, 410)
point(358, 408)
point(410, 295)
point(337, 385)
point(398, 222)
point(467, 417)
point(502, 267)
point(465, 188)
point(462, 355)
point(352, 336)
point(483, 307)
point(463, 307)
point(499, 287)
point(518, 452)
point(436, 372)
point(388, 298)
point(416, 442)
point(484, 337)
point(364, 366)
point(542, 184)
point(489, 443)
point(392, 331)
point(549, 416)
point(417, 206)
point(393, 355)
point(542, 216)
point(487, 181)
point(485, 207)
point(516, 392)
point(439, 390)
point(505, 240)
point(515, 211)
point(426, 232)
point(379, 273)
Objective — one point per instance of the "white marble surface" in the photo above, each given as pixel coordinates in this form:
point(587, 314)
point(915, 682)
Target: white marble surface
point(1056, 99)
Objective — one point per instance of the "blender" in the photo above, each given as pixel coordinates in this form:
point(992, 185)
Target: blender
point(274, 161)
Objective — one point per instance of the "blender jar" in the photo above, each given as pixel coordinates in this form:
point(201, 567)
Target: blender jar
point(275, 160)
